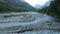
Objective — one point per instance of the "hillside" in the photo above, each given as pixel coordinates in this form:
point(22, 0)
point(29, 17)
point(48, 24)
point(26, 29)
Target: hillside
point(14, 5)
point(53, 9)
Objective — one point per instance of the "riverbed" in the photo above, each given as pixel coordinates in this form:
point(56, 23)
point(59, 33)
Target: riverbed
point(25, 18)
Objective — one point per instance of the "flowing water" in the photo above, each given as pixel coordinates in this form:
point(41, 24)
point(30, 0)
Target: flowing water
point(16, 21)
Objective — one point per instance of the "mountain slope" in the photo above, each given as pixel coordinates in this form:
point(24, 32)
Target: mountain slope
point(18, 3)
point(37, 6)
point(13, 5)
point(46, 4)
point(53, 9)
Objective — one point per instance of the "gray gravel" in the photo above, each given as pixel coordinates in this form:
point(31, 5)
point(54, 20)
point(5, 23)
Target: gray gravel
point(12, 23)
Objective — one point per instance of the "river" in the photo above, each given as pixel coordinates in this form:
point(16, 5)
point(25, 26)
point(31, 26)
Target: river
point(20, 19)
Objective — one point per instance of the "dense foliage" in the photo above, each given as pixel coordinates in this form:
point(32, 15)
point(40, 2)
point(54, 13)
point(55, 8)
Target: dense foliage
point(44, 10)
point(6, 7)
point(53, 9)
